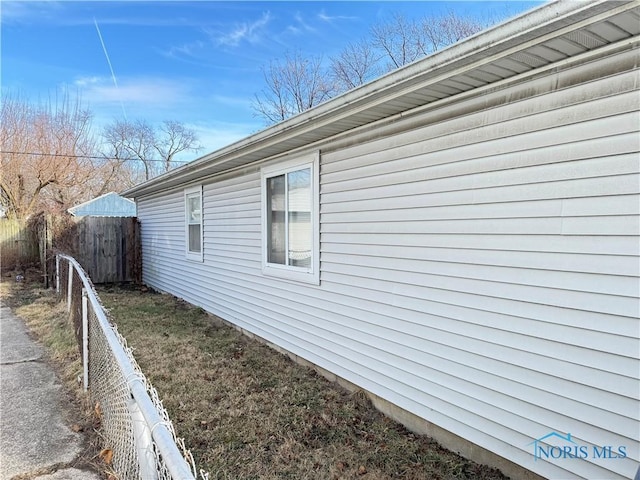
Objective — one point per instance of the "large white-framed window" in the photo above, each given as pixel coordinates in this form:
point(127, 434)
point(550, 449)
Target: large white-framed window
point(193, 222)
point(290, 219)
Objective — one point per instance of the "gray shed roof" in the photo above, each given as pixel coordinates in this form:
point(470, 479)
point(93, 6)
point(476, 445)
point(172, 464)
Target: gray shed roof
point(553, 32)
point(108, 205)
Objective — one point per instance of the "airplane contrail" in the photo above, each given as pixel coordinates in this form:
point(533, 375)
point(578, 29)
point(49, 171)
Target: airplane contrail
point(113, 75)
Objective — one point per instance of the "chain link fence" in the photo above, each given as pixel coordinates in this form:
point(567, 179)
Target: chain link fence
point(133, 423)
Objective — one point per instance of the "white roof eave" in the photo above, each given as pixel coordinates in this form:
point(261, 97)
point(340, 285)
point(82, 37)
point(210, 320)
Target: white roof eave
point(522, 32)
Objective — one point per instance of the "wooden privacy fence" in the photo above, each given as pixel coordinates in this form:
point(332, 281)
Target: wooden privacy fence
point(18, 244)
point(108, 248)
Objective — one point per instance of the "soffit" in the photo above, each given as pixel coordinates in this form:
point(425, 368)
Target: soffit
point(473, 63)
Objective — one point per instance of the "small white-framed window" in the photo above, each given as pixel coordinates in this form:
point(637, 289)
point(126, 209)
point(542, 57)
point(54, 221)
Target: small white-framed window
point(193, 222)
point(290, 220)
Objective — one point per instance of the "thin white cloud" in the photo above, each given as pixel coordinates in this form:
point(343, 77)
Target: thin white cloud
point(307, 24)
point(232, 101)
point(216, 135)
point(322, 15)
point(30, 12)
point(301, 26)
point(64, 13)
point(14, 11)
point(251, 32)
point(156, 100)
point(87, 81)
point(185, 50)
point(131, 91)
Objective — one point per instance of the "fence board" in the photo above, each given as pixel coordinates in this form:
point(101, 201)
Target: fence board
point(107, 248)
point(18, 244)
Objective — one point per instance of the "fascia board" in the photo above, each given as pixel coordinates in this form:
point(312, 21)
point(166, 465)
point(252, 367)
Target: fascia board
point(513, 35)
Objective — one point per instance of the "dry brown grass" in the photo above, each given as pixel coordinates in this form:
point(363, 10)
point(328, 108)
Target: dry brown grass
point(248, 412)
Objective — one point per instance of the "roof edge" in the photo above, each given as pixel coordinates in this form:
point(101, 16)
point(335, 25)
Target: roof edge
point(529, 25)
point(83, 204)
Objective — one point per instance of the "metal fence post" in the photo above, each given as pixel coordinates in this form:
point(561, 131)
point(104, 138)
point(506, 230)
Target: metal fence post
point(154, 453)
point(69, 287)
point(85, 340)
point(58, 274)
point(143, 441)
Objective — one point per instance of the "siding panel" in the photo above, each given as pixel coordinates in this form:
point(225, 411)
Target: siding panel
point(479, 267)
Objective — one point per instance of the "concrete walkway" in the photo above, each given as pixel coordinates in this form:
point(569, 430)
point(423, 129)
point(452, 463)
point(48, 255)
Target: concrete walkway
point(35, 438)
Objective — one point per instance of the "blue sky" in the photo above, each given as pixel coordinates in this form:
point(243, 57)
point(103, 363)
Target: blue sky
point(195, 62)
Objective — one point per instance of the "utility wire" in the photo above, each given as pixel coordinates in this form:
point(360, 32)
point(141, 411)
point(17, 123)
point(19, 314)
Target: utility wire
point(95, 157)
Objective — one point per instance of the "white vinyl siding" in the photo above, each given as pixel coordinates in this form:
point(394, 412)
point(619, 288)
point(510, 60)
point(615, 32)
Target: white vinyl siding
point(479, 268)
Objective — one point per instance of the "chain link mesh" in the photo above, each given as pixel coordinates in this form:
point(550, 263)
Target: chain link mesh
point(110, 391)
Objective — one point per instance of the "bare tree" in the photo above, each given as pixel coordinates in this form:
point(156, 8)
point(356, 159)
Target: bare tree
point(50, 158)
point(355, 65)
point(130, 140)
point(292, 86)
point(115, 174)
point(296, 83)
point(397, 39)
point(401, 41)
point(173, 138)
point(437, 32)
point(46, 157)
point(154, 148)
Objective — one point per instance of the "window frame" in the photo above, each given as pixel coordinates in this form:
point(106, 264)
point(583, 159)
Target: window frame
point(309, 274)
point(190, 193)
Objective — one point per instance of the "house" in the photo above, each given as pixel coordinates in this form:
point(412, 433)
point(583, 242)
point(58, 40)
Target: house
point(459, 238)
point(108, 205)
